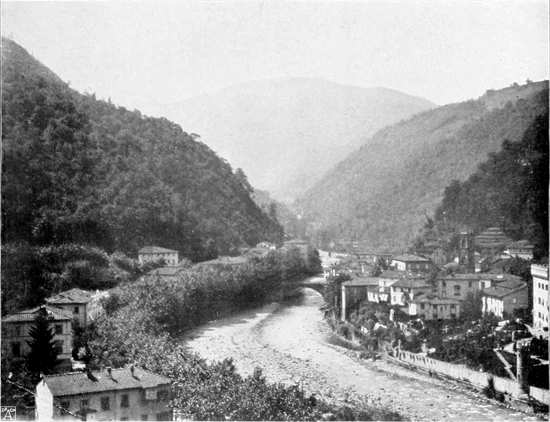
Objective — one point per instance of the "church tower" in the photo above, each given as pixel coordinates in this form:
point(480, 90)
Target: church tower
point(466, 250)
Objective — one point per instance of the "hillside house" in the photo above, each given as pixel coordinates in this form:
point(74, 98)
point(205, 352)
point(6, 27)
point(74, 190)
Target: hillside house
point(491, 241)
point(504, 298)
point(75, 302)
point(16, 327)
point(412, 263)
point(430, 307)
point(540, 296)
point(111, 394)
point(521, 249)
point(406, 289)
point(155, 253)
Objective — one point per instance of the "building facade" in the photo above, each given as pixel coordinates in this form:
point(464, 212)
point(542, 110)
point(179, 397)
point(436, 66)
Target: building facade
point(520, 249)
point(155, 253)
point(503, 299)
point(16, 331)
point(112, 394)
point(412, 263)
point(405, 290)
point(539, 274)
point(75, 302)
point(430, 307)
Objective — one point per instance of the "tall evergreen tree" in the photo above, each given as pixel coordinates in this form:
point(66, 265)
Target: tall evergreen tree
point(43, 354)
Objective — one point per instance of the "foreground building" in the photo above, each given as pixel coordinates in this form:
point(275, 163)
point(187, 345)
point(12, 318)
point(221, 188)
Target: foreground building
point(155, 253)
point(111, 394)
point(540, 296)
point(16, 328)
point(504, 298)
point(430, 307)
point(75, 302)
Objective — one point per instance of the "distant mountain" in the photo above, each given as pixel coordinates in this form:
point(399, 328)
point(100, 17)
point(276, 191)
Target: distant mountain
point(293, 225)
point(286, 133)
point(80, 170)
point(382, 192)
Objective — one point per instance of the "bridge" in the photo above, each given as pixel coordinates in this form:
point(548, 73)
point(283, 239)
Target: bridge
point(317, 283)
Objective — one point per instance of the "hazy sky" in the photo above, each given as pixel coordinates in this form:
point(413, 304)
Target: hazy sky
point(146, 53)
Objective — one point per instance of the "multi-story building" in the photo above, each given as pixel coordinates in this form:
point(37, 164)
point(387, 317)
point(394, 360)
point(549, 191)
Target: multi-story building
point(430, 307)
point(355, 291)
point(412, 263)
point(540, 296)
point(504, 298)
point(155, 253)
point(16, 328)
point(521, 249)
point(406, 289)
point(75, 302)
point(111, 394)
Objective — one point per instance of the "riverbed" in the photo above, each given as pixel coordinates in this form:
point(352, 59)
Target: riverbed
point(291, 343)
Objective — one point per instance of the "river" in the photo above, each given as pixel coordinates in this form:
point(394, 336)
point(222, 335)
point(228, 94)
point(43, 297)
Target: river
point(291, 343)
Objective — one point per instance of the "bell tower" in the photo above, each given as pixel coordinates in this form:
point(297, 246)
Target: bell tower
point(466, 250)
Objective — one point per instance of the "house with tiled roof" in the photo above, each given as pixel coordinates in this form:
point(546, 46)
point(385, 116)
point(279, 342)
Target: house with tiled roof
point(430, 307)
point(155, 253)
point(491, 241)
point(521, 249)
point(16, 328)
point(111, 394)
point(406, 289)
point(413, 263)
point(505, 297)
point(75, 302)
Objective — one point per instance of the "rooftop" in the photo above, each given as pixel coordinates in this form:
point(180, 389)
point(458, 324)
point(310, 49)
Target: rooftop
point(54, 313)
point(499, 291)
point(397, 275)
point(71, 296)
point(415, 283)
point(361, 282)
point(167, 271)
point(74, 383)
point(410, 258)
point(155, 249)
point(520, 244)
point(435, 300)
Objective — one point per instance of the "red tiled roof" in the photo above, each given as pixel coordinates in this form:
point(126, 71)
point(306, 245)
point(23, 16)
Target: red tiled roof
point(71, 296)
point(74, 383)
point(30, 314)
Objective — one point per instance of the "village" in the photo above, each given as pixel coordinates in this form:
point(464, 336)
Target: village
point(452, 315)
point(76, 390)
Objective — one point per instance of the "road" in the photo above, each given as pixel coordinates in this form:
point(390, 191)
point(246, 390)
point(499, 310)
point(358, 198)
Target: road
point(292, 344)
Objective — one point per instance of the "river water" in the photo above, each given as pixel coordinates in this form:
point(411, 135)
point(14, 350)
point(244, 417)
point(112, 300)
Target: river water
point(291, 343)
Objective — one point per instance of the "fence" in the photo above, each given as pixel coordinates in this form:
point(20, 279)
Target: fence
point(463, 373)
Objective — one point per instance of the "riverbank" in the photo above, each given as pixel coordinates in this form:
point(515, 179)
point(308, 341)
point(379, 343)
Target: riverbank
point(291, 343)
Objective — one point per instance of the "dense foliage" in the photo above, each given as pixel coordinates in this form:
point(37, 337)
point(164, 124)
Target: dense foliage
point(380, 193)
point(144, 321)
point(76, 169)
point(510, 190)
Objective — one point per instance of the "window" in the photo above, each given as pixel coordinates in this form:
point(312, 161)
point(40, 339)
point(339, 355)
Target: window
point(124, 418)
point(17, 330)
point(76, 310)
point(65, 405)
point(470, 284)
point(84, 403)
point(58, 329)
point(443, 284)
point(143, 417)
point(163, 395)
point(452, 306)
point(456, 290)
point(124, 400)
point(58, 345)
point(105, 403)
point(421, 306)
point(16, 349)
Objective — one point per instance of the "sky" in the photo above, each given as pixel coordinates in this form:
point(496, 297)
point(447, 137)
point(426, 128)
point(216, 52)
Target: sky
point(142, 54)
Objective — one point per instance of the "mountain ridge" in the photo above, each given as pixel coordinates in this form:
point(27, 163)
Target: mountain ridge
point(286, 132)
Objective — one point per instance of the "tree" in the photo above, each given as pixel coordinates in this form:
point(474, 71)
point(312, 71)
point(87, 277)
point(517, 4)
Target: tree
point(43, 354)
point(471, 307)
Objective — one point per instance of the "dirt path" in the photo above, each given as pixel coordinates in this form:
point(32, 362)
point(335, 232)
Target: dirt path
point(290, 344)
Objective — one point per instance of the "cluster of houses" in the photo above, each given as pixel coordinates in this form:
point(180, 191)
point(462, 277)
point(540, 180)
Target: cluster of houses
point(430, 290)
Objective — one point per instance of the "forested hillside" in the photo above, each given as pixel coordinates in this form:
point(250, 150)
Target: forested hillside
point(382, 192)
point(77, 169)
point(509, 190)
point(286, 133)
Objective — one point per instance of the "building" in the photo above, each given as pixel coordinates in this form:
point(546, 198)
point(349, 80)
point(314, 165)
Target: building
point(466, 251)
point(16, 327)
point(75, 302)
point(155, 253)
point(520, 249)
point(406, 289)
point(169, 273)
point(540, 296)
point(373, 257)
point(505, 297)
point(430, 307)
point(412, 263)
point(354, 292)
point(111, 394)
point(457, 286)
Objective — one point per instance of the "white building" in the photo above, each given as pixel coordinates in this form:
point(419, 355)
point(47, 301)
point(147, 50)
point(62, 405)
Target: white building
point(412, 263)
point(154, 253)
point(113, 394)
point(540, 295)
